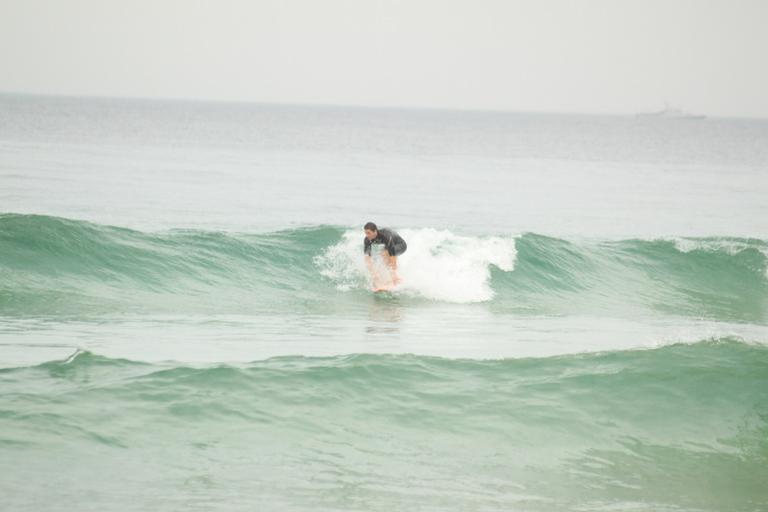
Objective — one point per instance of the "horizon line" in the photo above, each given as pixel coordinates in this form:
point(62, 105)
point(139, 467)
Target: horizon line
point(343, 105)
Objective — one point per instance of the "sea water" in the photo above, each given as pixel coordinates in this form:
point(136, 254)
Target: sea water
point(186, 319)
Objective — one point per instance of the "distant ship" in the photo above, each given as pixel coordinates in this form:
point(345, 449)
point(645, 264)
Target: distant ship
point(671, 113)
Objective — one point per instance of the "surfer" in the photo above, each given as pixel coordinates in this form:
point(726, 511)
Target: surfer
point(394, 246)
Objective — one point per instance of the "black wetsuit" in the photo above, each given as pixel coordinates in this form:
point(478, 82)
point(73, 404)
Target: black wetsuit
point(393, 243)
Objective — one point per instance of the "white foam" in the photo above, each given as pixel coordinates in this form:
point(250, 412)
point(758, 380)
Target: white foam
point(438, 264)
point(730, 247)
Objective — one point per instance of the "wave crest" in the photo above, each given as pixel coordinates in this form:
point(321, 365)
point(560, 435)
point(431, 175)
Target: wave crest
point(50, 265)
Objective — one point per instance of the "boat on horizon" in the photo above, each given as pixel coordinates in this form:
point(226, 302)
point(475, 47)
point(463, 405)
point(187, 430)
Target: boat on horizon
point(671, 113)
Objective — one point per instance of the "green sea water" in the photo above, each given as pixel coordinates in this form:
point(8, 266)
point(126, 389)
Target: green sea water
point(186, 321)
point(683, 427)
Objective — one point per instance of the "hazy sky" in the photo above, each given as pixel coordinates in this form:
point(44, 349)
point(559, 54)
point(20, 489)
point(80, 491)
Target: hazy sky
point(705, 56)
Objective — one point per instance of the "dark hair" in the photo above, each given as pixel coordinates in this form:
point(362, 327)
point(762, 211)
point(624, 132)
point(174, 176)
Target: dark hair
point(370, 226)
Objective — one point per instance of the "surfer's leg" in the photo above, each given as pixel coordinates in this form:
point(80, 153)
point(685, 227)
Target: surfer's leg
point(381, 279)
point(375, 278)
point(392, 262)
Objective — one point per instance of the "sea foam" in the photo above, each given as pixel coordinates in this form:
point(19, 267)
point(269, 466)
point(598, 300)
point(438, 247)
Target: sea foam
point(438, 265)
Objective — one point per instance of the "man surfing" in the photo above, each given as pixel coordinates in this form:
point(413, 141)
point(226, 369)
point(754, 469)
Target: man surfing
point(394, 246)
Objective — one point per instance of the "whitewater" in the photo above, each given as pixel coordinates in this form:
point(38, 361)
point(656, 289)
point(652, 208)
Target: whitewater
point(186, 318)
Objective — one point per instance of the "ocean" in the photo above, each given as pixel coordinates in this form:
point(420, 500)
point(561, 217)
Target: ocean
point(186, 321)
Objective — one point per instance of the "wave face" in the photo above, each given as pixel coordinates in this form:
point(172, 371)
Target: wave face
point(52, 265)
point(681, 427)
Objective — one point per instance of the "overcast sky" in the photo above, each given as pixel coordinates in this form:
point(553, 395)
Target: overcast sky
point(602, 56)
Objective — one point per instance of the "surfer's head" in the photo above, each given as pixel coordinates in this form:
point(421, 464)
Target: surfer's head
point(371, 231)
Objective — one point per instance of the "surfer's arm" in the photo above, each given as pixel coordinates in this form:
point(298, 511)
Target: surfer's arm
point(369, 264)
point(367, 252)
point(389, 245)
